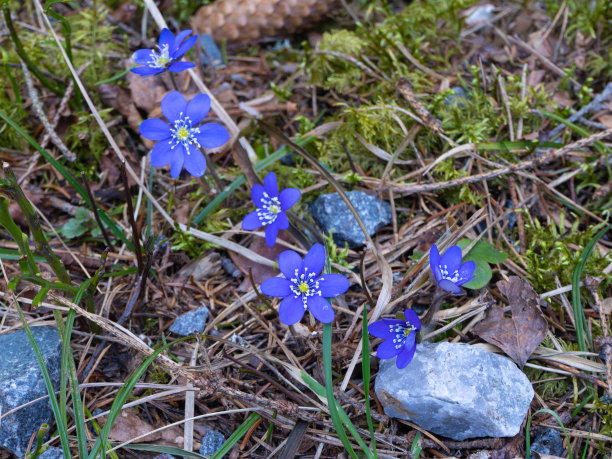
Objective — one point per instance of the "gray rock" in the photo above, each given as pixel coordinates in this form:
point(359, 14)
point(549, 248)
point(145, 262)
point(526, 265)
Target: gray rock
point(164, 456)
point(548, 441)
point(456, 390)
point(211, 442)
point(191, 322)
point(21, 381)
point(331, 213)
point(53, 453)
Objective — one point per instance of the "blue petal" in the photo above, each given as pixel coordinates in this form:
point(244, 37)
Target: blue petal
point(162, 154)
point(212, 135)
point(172, 105)
point(198, 108)
point(315, 259)
point(179, 39)
point(271, 233)
point(251, 222)
point(177, 54)
point(434, 262)
point(270, 185)
point(282, 221)
point(177, 67)
point(387, 350)
point(276, 286)
point(290, 264)
point(466, 272)
point(333, 285)
point(452, 259)
point(257, 194)
point(405, 356)
point(449, 286)
point(291, 310)
point(166, 38)
point(177, 161)
point(320, 308)
point(288, 197)
point(195, 163)
point(381, 328)
point(146, 71)
point(142, 56)
point(412, 318)
point(154, 129)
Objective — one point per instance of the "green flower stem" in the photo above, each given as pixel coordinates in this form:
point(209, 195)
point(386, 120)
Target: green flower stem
point(365, 368)
point(329, 388)
point(13, 190)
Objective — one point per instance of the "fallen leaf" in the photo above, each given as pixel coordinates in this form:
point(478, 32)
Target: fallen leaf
point(260, 272)
point(128, 426)
point(519, 335)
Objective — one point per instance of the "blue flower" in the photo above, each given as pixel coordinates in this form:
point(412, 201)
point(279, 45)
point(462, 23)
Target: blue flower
point(303, 288)
point(399, 336)
point(179, 141)
point(448, 271)
point(171, 50)
point(271, 206)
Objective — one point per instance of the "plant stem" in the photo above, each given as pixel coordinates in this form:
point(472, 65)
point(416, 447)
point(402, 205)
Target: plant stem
point(173, 81)
point(329, 388)
point(14, 192)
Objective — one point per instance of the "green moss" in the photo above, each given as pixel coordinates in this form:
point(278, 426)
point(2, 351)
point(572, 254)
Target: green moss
point(334, 72)
point(553, 250)
point(550, 389)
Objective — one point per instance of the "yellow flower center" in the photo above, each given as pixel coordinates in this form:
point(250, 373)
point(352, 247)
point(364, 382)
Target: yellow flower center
point(182, 134)
point(274, 209)
point(303, 287)
point(163, 60)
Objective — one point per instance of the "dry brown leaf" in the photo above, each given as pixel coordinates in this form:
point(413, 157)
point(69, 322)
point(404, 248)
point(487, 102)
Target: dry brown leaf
point(128, 426)
point(519, 335)
point(260, 272)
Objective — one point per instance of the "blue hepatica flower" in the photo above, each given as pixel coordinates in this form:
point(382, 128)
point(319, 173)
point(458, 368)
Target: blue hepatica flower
point(170, 51)
point(179, 142)
point(447, 269)
point(271, 206)
point(399, 337)
point(303, 288)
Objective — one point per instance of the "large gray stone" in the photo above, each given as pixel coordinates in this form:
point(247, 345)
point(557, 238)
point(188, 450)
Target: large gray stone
point(332, 213)
point(21, 381)
point(456, 390)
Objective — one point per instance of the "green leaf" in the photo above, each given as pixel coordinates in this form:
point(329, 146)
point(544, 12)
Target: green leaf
point(76, 226)
point(482, 254)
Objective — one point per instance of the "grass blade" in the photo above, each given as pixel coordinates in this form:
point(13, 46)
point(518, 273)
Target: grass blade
point(579, 317)
point(236, 436)
point(365, 371)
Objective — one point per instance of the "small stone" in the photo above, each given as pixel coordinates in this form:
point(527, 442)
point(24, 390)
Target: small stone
point(211, 55)
point(229, 267)
point(456, 390)
point(211, 442)
point(191, 322)
point(53, 453)
point(164, 456)
point(455, 98)
point(548, 441)
point(21, 381)
point(237, 339)
point(331, 213)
